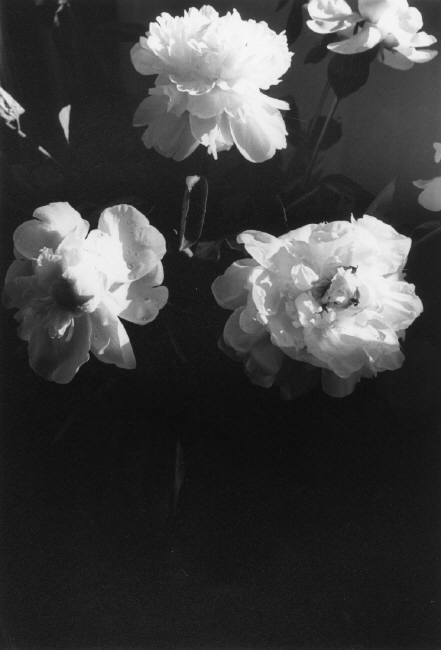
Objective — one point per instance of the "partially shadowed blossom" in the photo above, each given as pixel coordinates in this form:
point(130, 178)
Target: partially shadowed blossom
point(392, 25)
point(71, 288)
point(211, 70)
point(332, 295)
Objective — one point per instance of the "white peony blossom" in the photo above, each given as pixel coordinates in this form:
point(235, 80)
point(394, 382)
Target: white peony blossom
point(211, 70)
point(391, 24)
point(71, 288)
point(330, 294)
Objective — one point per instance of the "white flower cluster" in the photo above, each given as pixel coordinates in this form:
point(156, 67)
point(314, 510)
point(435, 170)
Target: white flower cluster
point(211, 70)
point(71, 289)
point(330, 294)
point(391, 24)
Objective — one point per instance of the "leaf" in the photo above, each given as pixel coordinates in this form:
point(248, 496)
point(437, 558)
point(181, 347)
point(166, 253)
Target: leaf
point(194, 206)
point(294, 23)
point(382, 203)
point(348, 73)
point(332, 135)
point(64, 119)
point(319, 51)
point(282, 4)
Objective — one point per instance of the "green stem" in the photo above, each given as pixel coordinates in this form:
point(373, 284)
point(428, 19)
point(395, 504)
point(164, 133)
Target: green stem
point(319, 141)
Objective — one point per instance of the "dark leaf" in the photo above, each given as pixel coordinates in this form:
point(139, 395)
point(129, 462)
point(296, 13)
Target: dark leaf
point(332, 135)
point(294, 23)
point(319, 51)
point(282, 4)
point(348, 73)
point(382, 203)
point(194, 206)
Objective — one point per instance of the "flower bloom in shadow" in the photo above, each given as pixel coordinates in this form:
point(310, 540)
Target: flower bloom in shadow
point(430, 197)
point(211, 70)
point(390, 24)
point(330, 294)
point(71, 288)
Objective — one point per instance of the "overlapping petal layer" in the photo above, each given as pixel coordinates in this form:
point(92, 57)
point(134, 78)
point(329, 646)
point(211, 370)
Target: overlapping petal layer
point(331, 295)
point(71, 289)
point(391, 24)
point(211, 70)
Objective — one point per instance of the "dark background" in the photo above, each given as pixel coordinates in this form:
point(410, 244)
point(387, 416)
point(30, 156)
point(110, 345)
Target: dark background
point(311, 523)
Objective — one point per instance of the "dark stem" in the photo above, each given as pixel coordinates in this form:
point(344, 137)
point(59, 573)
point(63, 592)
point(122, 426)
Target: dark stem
point(319, 141)
point(318, 110)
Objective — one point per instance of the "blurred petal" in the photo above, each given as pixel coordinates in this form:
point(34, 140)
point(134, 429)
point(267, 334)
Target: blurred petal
point(230, 290)
point(142, 244)
point(51, 224)
point(110, 342)
point(59, 359)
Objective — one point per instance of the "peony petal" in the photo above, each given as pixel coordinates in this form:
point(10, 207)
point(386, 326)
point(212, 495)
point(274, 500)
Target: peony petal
point(430, 198)
point(437, 149)
point(258, 132)
point(419, 56)
point(144, 60)
point(264, 363)
point(140, 304)
point(260, 245)
point(335, 386)
point(394, 59)
point(142, 245)
point(150, 109)
point(421, 39)
point(364, 40)
point(20, 285)
point(110, 342)
point(328, 9)
point(230, 290)
point(59, 359)
point(385, 250)
point(171, 136)
point(51, 224)
point(399, 303)
point(236, 338)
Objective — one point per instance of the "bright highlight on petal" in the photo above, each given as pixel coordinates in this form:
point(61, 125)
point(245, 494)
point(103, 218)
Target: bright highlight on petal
point(211, 71)
point(71, 289)
point(330, 295)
